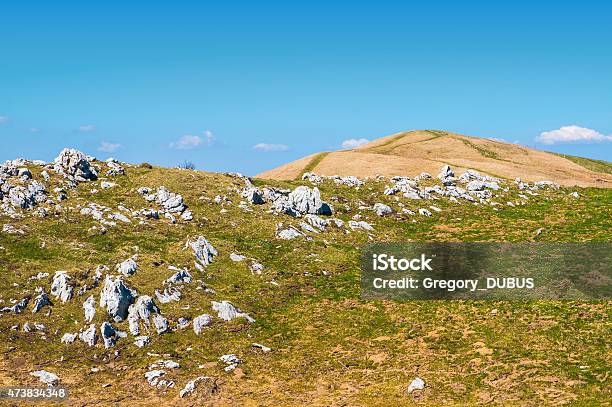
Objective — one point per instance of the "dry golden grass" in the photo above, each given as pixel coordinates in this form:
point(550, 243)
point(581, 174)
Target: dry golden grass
point(411, 153)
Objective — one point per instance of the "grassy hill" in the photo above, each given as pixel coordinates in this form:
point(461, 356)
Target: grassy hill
point(329, 347)
point(409, 153)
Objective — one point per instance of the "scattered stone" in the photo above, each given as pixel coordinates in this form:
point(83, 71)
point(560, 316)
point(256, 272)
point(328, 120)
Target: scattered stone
point(114, 168)
point(360, 225)
point(416, 384)
point(141, 310)
point(204, 251)
point(237, 257)
point(256, 267)
point(116, 297)
point(128, 267)
point(382, 209)
point(191, 385)
point(48, 378)
point(169, 294)
point(424, 212)
point(89, 336)
point(289, 233)
point(142, 341)
point(306, 200)
point(316, 221)
point(253, 196)
point(161, 324)
point(264, 349)
point(107, 185)
point(200, 322)
point(60, 287)
point(181, 276)
point(182, 323)
point(110, 335)
point(227, 311)
point(168, 364)
point(18, 307)
point(231, 361)
point(89, 306)
point(153, 377)
point(446, 172)
point(40, 301)
point(68, 338)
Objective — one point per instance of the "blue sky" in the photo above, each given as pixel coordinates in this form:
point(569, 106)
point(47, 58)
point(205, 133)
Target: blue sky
point(165, 82)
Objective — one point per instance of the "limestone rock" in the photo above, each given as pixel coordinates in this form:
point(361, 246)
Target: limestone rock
point(50, 379)
point(60, 287)
point(203, 251)
point(191, 385)
point(416, 384)
point(75, 164)
point(110, 335)
point(41, 300)
point(382, 209)
point(227, 311)
point(128, 267)
point(116, 297)
point(89, 306)
point(89, 336)
point(141, 311)
point(200, 322)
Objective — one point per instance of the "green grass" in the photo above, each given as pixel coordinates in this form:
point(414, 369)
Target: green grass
point(485, 152)
point(316, 160)
point(330, 347)
point(605, 167)
point(383, 148)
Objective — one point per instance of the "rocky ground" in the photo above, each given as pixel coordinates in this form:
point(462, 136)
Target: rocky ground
point(132, 284)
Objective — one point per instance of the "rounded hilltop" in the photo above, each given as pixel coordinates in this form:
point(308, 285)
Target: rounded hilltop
point(412, 152)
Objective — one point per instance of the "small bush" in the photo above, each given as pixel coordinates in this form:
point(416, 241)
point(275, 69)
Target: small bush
point(146, 165)
point(187, 165)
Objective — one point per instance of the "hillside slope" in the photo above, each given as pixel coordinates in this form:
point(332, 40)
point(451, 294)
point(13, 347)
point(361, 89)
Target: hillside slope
point(68, 237)
point(410, 153)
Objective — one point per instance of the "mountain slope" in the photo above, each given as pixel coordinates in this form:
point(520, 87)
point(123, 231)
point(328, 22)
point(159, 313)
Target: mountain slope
point(410, 153)
point(328, 345)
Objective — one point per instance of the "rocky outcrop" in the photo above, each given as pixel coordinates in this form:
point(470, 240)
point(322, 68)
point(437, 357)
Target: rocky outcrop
point(41, 300)
point(110, 335)
point(116, 297)
point(60, 287)
point(306, 200)
point(75, 165)
point(89, 335)
point(128, 267)
point(89, 307)
point(203, 251)
point(141, 312)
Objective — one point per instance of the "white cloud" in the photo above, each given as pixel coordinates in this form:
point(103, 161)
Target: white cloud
point(572, 134)
point(34, 129)
point(209, 136)
point(189, 142)
point(108, 147)
point(270, 147)
point(87, 128)
point(3, 119)
point(354, 143)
